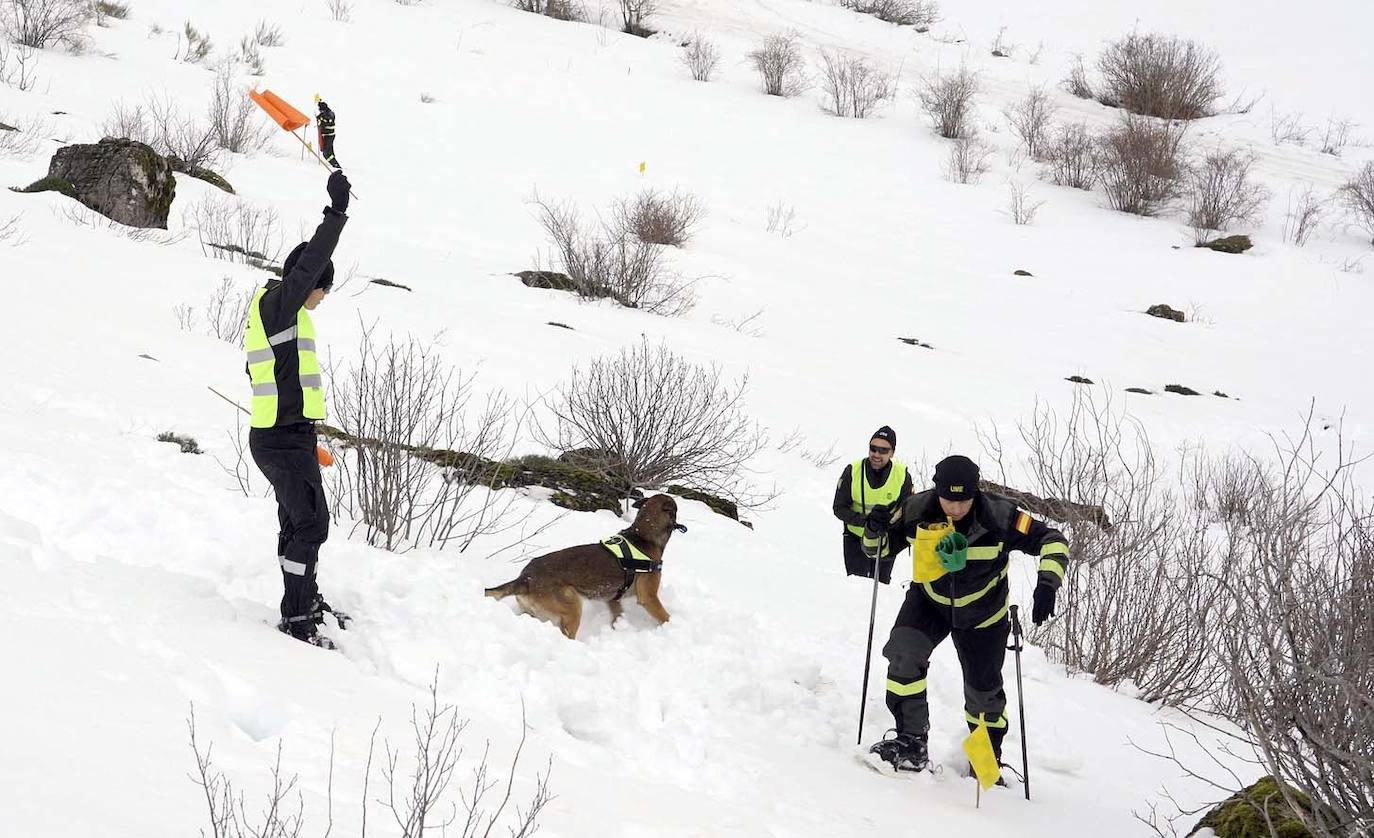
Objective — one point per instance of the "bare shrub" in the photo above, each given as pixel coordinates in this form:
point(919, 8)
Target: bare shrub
point(1077, 81)
point(419, 460)
point(1142, 164)
point(968, 160)
point(234, 230)
point(609, 260)
point(1288, 128)
point(226, 312)
point(948, 100)
point(782, 219)
point(24, 140)
point(233, 117)
point(10, 232)
point(1137, 605)
point(649, 417)
point(1020, 206)
point(1159, 75)
point(1303, 216)
point(1336, 136)
point(1073, 157)
point(340, 10)
point(634, 13)
point(41, 23)
point(1001, 47)
point(781, 66)
point(193, 46)
point(1221, 194)
point(251, 54)
point(556, 9)
point(851, 87)
point(160, 124)
point(701, 57)
point(109, 9)
point(1358, 196)
point(18, 65)
point(1031, 119)
point(267, 34)
point(427, 98)
point(921, 14)
point(668, 218)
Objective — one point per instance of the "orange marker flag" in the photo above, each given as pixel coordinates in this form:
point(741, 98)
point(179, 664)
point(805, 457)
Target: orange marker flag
point(280, 110)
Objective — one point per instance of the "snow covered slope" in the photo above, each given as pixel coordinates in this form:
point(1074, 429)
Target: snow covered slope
point(135, 580)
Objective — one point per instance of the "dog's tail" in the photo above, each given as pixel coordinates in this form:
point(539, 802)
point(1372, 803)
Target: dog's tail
point(519, 585)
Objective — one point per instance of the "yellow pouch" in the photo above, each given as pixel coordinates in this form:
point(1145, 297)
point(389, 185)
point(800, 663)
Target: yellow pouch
point(925, 563)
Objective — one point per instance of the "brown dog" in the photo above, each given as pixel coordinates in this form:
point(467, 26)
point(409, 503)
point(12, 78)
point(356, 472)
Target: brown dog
point(552, 586)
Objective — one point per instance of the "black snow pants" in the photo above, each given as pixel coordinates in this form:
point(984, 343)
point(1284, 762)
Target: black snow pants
point(286, 456)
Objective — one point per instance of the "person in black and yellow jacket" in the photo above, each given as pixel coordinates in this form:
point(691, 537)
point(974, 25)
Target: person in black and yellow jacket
point(968, 604)
point(324, 124)
point(288, 399)
point(867, 494)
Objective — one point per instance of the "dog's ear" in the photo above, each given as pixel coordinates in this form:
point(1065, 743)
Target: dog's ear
point(638, 503)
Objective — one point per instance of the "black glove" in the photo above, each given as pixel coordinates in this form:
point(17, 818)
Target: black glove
point(1042, 608)
point(338, 192)
point(879, 518)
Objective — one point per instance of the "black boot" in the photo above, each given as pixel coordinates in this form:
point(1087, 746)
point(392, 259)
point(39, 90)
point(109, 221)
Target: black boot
point(305, 629)
point(904, 752)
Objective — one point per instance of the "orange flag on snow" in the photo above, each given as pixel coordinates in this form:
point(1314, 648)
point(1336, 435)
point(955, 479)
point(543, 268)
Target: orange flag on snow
point(280, 110)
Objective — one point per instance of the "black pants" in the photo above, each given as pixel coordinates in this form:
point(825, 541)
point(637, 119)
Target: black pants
point(286, 456)
point(327, 150)
point(923, 624)
point(857, 564)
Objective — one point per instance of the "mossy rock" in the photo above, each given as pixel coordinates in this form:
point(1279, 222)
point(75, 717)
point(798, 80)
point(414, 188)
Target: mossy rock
point(1166, 312)
point(1242, 814)
point(200, 173)
point(51, 183)
point(547, 279)
point(718, 505)
point(1229, 244)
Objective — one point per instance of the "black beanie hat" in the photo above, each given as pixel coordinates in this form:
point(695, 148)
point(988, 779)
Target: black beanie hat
point(956, 478)
point(887, 434)
point(326, 280)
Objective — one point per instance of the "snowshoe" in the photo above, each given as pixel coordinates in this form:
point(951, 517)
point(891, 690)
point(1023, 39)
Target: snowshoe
point(904, 752)
point(341, 617)
point(304, 629)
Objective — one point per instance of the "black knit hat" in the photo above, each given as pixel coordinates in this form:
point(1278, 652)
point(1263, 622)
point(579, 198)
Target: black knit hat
point(887, 435)
point(326, 280)
point(956, 478)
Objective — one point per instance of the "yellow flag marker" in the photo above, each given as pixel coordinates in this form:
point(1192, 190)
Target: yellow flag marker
point(642, 166)
point(978, 748)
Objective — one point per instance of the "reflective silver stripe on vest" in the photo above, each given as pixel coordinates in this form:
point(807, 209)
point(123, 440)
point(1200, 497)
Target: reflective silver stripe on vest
point(257, 356)
point(268, 389)
point(312, 380)
point(283, 336)
point(306, 344)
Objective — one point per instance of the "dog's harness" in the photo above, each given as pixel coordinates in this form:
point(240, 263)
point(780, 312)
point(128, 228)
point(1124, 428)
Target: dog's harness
point(632, 560)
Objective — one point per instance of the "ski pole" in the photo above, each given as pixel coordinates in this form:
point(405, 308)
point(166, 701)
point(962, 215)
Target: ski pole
point(1020, 697)
point(868, 650)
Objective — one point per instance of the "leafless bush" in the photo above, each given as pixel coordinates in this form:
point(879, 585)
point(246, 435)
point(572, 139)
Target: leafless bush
point(746, 325)
point(948, 100)
point(782, 219)
point(1358, 196)
point(556, 9)
point(340, 10)
point(1136, 604)
point(651, 417)
point(851, 87)
point(667, 218)
point(233, 117)
point(1299, 644)
point(415, 795)
point(1077, 81)
point(427, 98)
point(1142, 164)
point(968, 160)
point(1031, 119)
point(634, 13)
point(1303, 216)
point(1001, 48)
point(1336, 136)
point(83, 216)
point(921, 14)
point(251, 54)
point(701, 57)
point(193, 46)
point(1020, 206)
point(226, 312)
point(1161, 76)
point(608, 260)
point(18, 65)
point(235, 230)
point(1288, 128)
point(1073, 157)
point(160, 124)
point(10, 232)
point(781, 65)
point(267, 34)
point(41, 23)
point(24, 140)
point(1221, 194)
point(420, 460)
point(109, 9)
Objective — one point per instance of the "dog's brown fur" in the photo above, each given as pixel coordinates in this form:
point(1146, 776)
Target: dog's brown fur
point(553, 586)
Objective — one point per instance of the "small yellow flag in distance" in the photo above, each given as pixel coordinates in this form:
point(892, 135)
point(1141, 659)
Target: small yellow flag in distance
point(978, 748)
point(642, 166)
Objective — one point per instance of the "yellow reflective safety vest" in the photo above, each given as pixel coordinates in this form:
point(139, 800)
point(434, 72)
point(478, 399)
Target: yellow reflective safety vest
point(276, 381)
point(864, 497)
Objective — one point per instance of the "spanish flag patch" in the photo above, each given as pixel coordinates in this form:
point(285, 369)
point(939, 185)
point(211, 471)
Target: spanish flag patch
point(1023, 521)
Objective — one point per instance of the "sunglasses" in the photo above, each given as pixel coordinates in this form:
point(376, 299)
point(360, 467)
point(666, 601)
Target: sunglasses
point(879, 449)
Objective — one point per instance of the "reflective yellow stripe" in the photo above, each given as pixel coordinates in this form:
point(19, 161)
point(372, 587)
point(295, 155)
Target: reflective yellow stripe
point(960, 602)
point(913, 688)
point(1053, 567)
point(981, 719)
point(995, 618)
point(984, 554)
point(1054, 548)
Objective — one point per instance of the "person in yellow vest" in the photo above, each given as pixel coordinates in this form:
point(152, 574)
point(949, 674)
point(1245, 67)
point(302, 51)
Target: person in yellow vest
point(968, 602)
point(867, 494)
point(288, 399)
